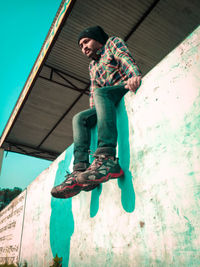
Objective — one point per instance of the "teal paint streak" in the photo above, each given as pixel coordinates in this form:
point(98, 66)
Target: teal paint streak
point(191, 126)
point(190, 227)
point(62, 221)
point(125, 184)
point(191, 130)
point(94, 203)
point(140, 155)
point(191, 173)
point(187, 246)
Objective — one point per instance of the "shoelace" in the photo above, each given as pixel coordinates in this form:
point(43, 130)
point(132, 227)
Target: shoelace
point(97, 161)
point(70, 176)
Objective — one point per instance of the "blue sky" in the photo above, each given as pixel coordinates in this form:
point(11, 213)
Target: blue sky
point(24, 26)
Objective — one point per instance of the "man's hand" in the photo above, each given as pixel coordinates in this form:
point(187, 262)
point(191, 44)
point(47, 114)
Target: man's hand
point(133, 83)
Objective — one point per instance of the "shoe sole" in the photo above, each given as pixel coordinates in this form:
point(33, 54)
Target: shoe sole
point(65, 195)
point(89, 187)
point(104, 178)
point(67, 191)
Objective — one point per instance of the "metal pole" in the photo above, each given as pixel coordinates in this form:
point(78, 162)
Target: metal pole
point(1, 158)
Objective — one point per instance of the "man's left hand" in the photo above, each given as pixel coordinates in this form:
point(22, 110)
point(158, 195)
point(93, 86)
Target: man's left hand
point(133, 83)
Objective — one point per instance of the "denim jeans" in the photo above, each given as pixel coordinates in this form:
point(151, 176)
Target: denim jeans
point(104, 114)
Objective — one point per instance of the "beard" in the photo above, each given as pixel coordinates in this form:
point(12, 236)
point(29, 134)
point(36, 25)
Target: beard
point(92, 53)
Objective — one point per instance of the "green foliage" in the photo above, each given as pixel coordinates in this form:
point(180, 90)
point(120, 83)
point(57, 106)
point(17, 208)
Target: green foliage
point(13, 265)
point(25, 264)
point(57, 262)
point(7, 195)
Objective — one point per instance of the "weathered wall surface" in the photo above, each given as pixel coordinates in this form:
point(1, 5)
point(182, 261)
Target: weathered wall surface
point(11, 223)
point(151, 216)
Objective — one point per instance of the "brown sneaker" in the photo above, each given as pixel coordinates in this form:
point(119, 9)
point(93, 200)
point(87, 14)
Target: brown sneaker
point(69, 188)
point(101, 170)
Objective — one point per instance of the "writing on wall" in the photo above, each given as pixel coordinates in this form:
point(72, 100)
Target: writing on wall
point(11, 223)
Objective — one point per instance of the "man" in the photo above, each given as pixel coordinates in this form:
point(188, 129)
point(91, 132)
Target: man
point(113, 72)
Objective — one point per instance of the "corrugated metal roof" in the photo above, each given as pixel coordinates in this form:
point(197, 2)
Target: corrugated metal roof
point(151, 28)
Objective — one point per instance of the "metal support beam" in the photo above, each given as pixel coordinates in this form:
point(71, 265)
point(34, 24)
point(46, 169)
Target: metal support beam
point(79, 79)
point(144, 16)
point(63, 75)
point(1, 158)
point(36, 152)
point(65, 85)
point(51, 75)
point(62, 117)
point(67, 80)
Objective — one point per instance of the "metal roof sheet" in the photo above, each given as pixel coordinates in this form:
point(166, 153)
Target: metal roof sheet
point(151, 28)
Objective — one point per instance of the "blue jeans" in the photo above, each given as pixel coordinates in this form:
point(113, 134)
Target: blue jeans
point(104, 114)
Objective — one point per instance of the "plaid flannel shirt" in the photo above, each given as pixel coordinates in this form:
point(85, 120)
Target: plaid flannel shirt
point(114, 66)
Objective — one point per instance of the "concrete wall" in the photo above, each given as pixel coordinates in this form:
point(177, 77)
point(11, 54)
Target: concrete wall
point(11, 224)
point(151, 216)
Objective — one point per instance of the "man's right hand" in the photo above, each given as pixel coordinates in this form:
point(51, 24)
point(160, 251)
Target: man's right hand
point(133, 83)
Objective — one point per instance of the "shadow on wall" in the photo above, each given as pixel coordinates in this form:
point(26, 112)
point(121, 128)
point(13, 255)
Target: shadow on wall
point(94, 203)
point(62, 221)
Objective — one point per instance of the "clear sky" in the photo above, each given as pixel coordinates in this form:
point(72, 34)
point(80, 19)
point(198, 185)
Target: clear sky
point(24, 26)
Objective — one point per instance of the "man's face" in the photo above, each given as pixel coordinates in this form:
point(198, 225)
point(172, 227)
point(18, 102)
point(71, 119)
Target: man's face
point(89, 47)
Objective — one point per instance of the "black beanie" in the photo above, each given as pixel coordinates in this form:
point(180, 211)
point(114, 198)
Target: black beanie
point(96, 33)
